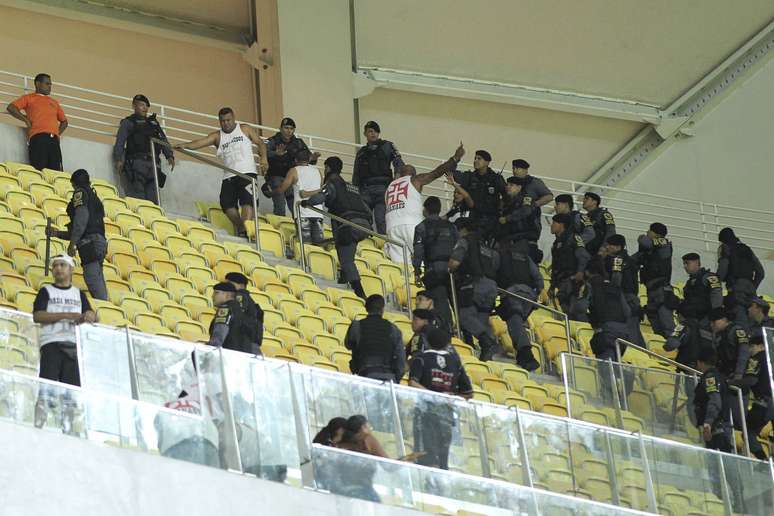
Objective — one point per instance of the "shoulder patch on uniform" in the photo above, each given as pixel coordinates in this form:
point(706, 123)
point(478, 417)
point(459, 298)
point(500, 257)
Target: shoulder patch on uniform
point(752, 366)
point(586, 220)
point(713, 281)
point(527, 201)
point(609, 217)
point(77, 198)
point(617, 264)
point(579, 241)
point(222, 315)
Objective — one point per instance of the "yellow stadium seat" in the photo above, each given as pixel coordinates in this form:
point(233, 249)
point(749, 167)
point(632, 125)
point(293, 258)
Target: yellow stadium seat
point(219, 219)
point(112, 316)
point(330, 313)
point(272, 318)
point(224, 265)
point(17, 199)
point(113, 206)
point(322, 263)
point(156, 297)
point(180, 287)
point(555, 409)
point(104, 188)
point(492, 384)
point(287, 334)
point(149, 323)
point(249, 259)
point(40, 191)
point(10, 239)
point(262, 274)
point(594, 416)
point(150, 213)
point(195, 303)
point(53, 207)
point(117, 289)
point(164, 269)
point(199, 233)
point(213, 251)
point(200, 276)
point(353, 308)
point(24, 299)
point(206, 317)
point(28, 176)
point(10, 222)
point(23, 257)
point(172, 313)
point(327, 343)
point(191, 331)
point(262, 299)
point(8, 184)
point(124, 261)
point(271, 346)
point(190, 258)
point(141, 237)
point(311, 326)
point(6, 264)
point(127, 220)
point(536, 394)
point(481, 395)
point(276, 286)
point(271, 240)
point(133, 305)
point(163, 228)
point(32, 215)
point(153, 251)
point(111, 228)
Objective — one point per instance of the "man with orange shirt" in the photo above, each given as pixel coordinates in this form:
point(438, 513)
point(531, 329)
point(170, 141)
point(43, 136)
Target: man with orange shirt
point(45, 122)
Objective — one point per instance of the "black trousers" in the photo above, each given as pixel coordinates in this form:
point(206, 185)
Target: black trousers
point(45, 151)
point(436, 437)
point(59, 363)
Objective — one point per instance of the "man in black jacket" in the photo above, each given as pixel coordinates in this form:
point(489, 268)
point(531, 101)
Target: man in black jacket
point(282, 149)
point(376, 344)
point(251, 311)
point(741, 271)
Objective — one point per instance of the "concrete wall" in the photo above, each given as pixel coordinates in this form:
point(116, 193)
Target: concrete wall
point(48, 473)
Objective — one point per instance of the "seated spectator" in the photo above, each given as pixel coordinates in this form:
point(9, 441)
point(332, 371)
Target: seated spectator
point(356, 477)
point(45, 123)
point(332, 433)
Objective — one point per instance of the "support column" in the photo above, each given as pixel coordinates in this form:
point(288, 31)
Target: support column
point(264, 55)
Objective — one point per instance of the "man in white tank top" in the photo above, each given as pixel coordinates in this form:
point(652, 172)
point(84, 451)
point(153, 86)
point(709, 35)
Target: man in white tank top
point(58, 308)
point(234, 146)
point(306, 180)
point(403, 202)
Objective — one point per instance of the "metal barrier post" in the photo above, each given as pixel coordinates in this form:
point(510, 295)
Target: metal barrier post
point(625, 398)
point(544, 307)
point(300, 232)
point(614, 394)
point(743, 412)
point(155, 171)
point(565, 381)
point(254, 182)
point(652, 502)
point(132, 365)
point(455, 306)
point(526, 470)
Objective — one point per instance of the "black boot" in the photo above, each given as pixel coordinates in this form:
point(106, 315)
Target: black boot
point(489, 348)
point(526, 360)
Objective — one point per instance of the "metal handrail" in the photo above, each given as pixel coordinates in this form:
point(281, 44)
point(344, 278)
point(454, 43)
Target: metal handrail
point(213, 163)
point(365, 230)
point(692, 372)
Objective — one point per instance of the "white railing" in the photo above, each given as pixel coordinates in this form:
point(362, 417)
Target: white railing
point(695, 222)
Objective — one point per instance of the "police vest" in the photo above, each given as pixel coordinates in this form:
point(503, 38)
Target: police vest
point(528, 227)
point(712, 381)
point(252, 315)
point(623, 263)
point(90, 199)
point(696, 296)
point(728, 347)
point(741, 265)
point(375, 347)
point(485, 190)
point(606, 302)
point(238, 338)
point(599, 222)
point(563, 260)
point(488, 262)
point(471, 264)
point(143, 129)
point(373, 163)
point(439, 240)
point(348, 203)
point(514, 269)
point(579, 221)
point(757, 366)
point(658, 261)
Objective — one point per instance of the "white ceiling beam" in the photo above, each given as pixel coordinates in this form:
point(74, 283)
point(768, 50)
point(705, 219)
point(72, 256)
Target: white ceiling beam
point(514, 94)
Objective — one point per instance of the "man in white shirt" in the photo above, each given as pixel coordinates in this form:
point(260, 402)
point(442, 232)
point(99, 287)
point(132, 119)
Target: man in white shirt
point(58, 308)
point(306, 180)
point(234, 144)
point(403, 203)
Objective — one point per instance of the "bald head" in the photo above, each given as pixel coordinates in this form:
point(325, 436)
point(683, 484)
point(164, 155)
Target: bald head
point(407, 170)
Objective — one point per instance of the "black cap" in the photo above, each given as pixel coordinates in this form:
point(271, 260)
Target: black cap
point(760, 302)
point(659, 229)
point(422, 293)
point(520, 163)
point(372, 125)
point(727, 236)
point(141, 98)
point(423, 313)
point(562, 218)
point(287, 121)
point(618, 240)
point(224, 287)
point(237, 277)
point(592, 195)
point(717, 314)
point(689, 257)
point(484, 155)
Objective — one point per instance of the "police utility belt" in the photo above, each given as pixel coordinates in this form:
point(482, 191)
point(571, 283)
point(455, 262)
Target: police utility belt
point(87, 249)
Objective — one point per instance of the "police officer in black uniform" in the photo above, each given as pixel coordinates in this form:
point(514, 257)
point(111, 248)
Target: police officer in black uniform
point(371, 172)
point(519, 275)
point(376, 344)
point(756, 382)
point(228, 328)
point(581, 223)
point(86, 232)
point(132, 151)
point(343, 200)
point(758, 314)
point(702, 293)
point(742, 272)
point(732, 344)
point(622, 272)
point(434, 241)
point(487, 191)
point(251, 311)
point(520, 218)
point(711, 403)
point(475, 268)
point(437, 369)
point(654, 258)
point(569, 259)
point(601, 219)
point(282, 149)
